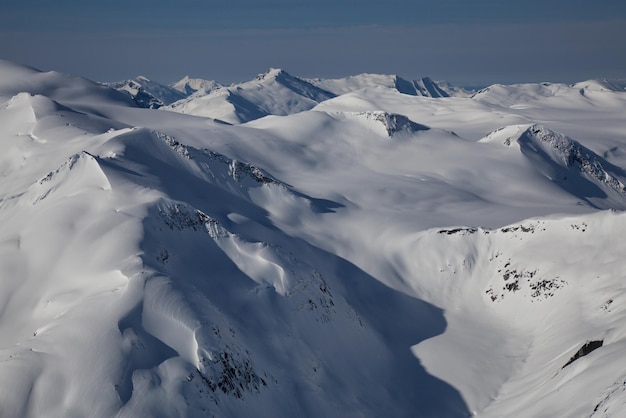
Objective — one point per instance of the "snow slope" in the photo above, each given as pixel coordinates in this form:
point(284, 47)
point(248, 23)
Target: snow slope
point(372, 254)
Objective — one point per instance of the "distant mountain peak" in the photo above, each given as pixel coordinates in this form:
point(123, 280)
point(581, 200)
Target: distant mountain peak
point(147, 93)
point(427, 87)
point(189, 86)
point(272, 73)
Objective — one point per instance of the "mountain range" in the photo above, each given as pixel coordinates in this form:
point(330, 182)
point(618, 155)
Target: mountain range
point(366, 246)
point(275, 92)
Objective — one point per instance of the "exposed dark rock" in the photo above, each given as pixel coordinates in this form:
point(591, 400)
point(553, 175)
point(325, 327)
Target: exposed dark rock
point(587, 348)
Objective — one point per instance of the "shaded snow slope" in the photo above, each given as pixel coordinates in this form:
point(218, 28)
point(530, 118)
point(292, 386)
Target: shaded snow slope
point(372, 254)
point(428, 88)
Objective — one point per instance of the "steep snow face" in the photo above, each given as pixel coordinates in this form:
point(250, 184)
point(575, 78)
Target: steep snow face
point(378, 254)
point(147, 93)
point(273, 93)
point(428, 88)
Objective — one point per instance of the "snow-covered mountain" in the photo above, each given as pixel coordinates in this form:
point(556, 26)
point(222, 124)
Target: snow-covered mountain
point(147, 93)
point(275, 92)
point(188, 86)
point(422, 87)
point(518, 94)
point(567, 163)
point(371, 254)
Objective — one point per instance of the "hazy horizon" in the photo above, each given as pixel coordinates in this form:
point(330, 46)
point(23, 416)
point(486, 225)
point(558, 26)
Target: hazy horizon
point(465, 44)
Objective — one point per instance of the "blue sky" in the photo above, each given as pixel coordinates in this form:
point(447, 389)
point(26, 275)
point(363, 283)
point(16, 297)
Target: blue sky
point(467, 42)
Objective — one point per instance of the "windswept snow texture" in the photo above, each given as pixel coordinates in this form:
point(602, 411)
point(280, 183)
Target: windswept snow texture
point(366, 252)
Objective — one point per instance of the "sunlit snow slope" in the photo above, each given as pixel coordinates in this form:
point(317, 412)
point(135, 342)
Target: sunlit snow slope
point(375, 254)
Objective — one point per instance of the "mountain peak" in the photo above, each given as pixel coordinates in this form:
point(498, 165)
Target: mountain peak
point(272, 74)
point(425, 86)
point(189, 86)
point(566, 162)
point(147, 93)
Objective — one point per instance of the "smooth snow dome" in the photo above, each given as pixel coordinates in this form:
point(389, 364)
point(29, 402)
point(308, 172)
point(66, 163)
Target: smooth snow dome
point(311, 247)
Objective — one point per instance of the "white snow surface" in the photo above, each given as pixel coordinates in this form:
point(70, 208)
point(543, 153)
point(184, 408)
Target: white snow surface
point(370, 254)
